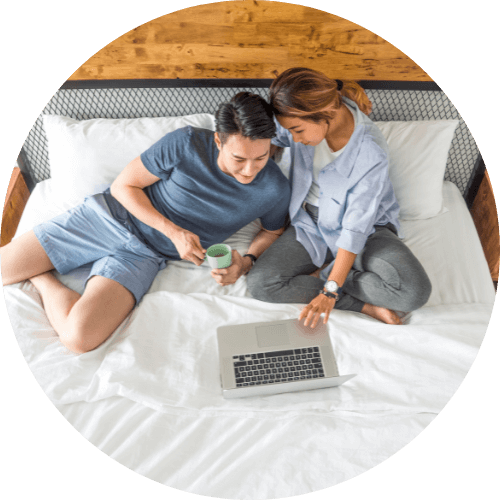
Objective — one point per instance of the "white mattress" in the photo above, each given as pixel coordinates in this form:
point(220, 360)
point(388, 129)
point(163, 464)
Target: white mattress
point(150, 398)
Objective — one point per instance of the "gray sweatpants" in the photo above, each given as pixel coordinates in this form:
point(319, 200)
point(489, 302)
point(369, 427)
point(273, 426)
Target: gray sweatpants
point(385, 273)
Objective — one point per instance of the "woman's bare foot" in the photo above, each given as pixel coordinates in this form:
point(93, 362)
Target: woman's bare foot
point(316, 273)
point(382, 314)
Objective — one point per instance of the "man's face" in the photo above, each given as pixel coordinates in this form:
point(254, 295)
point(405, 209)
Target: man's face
point(241, 157)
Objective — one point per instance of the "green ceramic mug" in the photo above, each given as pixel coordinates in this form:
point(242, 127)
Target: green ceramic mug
point(219, 256)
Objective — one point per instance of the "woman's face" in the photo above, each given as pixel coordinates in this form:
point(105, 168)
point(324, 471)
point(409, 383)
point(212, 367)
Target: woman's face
point(304, 131)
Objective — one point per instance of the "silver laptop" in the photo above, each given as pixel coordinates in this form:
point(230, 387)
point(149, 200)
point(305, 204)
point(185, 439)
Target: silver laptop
point(258, 359)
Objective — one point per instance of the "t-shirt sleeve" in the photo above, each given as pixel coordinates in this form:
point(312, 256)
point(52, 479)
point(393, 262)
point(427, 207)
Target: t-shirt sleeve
point(164, 155)
point(275, 217)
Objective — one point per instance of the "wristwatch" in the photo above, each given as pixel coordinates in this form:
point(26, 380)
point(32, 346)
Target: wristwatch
point(333, 288)
point(252, 258)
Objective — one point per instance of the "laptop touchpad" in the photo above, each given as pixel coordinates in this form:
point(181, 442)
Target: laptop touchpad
point(272, 335)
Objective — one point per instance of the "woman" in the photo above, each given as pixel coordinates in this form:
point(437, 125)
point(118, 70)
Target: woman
point(342, 249)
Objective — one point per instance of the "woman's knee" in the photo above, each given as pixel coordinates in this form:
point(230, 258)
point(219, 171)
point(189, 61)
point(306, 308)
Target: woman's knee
point(402, 273)
point(257, 284)
point(262, 286)
point(417, 293)
point(424, 290)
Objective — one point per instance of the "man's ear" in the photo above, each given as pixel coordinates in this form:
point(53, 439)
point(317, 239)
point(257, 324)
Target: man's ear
point(217, 140)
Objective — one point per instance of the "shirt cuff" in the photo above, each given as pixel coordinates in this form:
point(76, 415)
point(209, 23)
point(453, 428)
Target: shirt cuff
point(352, 241)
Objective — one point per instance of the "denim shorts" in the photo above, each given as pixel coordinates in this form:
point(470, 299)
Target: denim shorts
point(89, 233)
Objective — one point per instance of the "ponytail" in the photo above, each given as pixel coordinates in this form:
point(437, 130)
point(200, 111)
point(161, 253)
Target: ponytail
point(309, 94)
point(356, 93)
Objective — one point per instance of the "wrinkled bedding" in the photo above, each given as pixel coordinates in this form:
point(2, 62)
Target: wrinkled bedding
point(150, 396)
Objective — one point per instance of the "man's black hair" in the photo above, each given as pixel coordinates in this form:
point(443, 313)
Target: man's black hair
point(245, 114)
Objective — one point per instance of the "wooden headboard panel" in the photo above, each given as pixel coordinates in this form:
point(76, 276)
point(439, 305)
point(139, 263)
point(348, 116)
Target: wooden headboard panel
point(249, 39)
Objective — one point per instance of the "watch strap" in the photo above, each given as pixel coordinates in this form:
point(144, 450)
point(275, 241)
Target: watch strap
point(330, 295)
point(252, 258)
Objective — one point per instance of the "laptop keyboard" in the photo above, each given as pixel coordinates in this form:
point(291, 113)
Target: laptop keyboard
point(277, 367)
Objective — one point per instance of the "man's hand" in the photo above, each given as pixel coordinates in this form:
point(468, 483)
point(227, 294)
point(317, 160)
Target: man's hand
point(229, 275)
point(188, 246)
point(318, 306)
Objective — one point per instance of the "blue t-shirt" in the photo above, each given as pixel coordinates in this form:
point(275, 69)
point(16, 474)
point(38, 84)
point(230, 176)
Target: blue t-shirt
point(196, 195)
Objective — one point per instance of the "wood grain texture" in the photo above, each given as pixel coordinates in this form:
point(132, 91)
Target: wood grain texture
point(249, 40)
point(15, 201)
point(484, 214)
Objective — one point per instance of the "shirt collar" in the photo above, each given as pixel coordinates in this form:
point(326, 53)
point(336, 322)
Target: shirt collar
point(350, 153)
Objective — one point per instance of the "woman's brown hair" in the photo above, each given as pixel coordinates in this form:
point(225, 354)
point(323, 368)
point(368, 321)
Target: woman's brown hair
point(309, 94)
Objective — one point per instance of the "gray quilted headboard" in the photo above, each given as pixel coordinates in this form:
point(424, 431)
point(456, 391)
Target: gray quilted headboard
point(125, 99)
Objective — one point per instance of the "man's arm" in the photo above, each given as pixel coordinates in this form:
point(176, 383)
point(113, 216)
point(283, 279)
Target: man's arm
point(128, 189)
point(262, 241)
point(242, 265)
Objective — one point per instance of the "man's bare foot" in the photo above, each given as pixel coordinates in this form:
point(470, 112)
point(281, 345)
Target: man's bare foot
point(382, 314)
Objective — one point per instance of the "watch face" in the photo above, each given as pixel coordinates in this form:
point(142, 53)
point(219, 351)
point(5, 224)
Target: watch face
point(331, 286)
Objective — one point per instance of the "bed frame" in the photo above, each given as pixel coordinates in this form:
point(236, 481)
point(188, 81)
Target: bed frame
point(392, 101)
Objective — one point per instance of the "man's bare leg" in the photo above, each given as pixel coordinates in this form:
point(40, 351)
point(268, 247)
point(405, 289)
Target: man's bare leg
point(58, 300)
point(23, 258)
point(83, 322)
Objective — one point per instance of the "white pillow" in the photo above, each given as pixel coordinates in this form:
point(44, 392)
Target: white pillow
point(419, 152)
point(87, 155)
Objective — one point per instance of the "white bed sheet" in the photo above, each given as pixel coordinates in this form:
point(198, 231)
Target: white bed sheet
point(150, 397)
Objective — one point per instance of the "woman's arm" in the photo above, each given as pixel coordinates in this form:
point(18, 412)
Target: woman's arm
point(323, 304)
point(341, 267)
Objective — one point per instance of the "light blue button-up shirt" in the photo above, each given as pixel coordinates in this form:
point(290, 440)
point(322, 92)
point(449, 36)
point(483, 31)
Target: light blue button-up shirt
point(355, 191)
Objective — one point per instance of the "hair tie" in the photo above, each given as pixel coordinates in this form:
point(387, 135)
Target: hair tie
point(340, 84)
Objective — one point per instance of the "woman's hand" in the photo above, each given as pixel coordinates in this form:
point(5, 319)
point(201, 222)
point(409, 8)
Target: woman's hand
point(318, 306)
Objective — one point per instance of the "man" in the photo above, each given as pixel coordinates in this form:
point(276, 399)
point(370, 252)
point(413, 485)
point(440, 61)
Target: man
point(191, 189)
